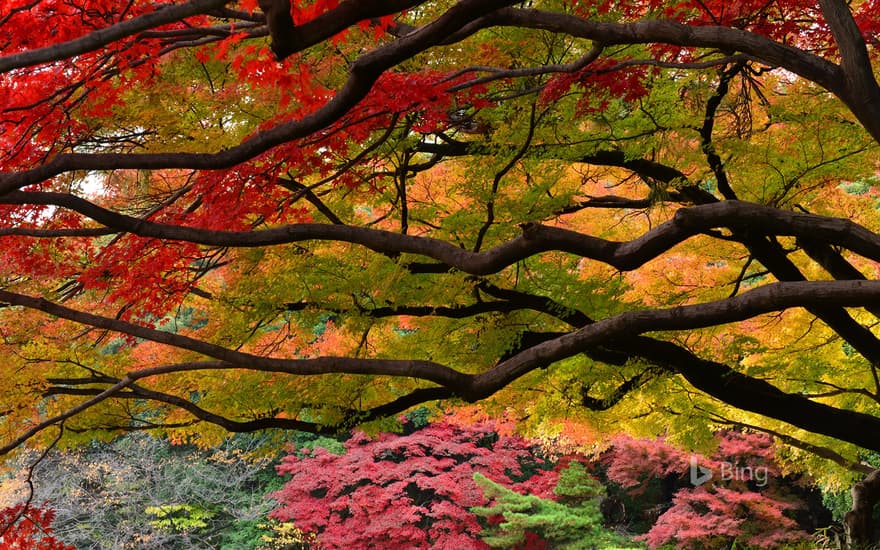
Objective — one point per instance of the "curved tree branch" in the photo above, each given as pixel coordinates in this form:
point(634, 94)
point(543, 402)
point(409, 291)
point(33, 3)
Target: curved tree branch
point(99, 38)
point(741, 217)
point(363, 74)
point(620, 330)
point(708, 147)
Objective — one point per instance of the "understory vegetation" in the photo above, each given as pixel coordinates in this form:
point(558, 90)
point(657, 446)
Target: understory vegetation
point(439, 274)
point(453, 483)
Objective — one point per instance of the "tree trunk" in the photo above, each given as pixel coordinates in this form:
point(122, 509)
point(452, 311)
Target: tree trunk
point(858, 522)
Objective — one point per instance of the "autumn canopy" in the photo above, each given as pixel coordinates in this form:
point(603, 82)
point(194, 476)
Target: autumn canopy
point(654, 215)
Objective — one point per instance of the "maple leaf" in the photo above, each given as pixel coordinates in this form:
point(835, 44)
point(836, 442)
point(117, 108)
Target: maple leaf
point(403, 490)
point(24, 526)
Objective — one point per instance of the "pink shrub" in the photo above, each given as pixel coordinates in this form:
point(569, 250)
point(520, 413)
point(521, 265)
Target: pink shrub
point(410, 491)
point(743, 499)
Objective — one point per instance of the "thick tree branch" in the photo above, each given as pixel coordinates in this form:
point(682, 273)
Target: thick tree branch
point(714, 379)
point(106, 36)
point(863, 98)
point(836, 265)
point(749, 220)
point(462, 20)
point(451, 312)
point(69, 413)
point(733, 388)
point(726, 39)
point(425, 370)
point(645, 168)
point(200, 414)
point(619, 331)
point(741, 217)
point(861, 87)
point(363, 74)
point(288, 39)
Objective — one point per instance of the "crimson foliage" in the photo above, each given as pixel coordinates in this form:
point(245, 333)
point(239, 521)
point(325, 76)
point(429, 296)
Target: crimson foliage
point(417, 490)
point(406, 491)
point(746, 498)
point(28, 528)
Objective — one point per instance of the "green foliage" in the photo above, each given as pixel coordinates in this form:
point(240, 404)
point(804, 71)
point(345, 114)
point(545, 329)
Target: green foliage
point(247, 535)
point(179, 517)
point(859, 187)
point(305, 443)
point(575, 485)
point(575, 522)
point(838, 498)
point(837, 502)
point(419, 417)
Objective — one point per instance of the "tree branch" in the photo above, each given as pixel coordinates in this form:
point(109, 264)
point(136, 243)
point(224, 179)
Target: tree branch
point(102, 37)
point(363, 74)
point(619, 331)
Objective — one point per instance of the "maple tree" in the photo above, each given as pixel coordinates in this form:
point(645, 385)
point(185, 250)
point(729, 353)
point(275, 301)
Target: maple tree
point(314, 215)
point(414, 490)
point(28, 527)
point(743, 498)
point(533, 522)
point(468, 486)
